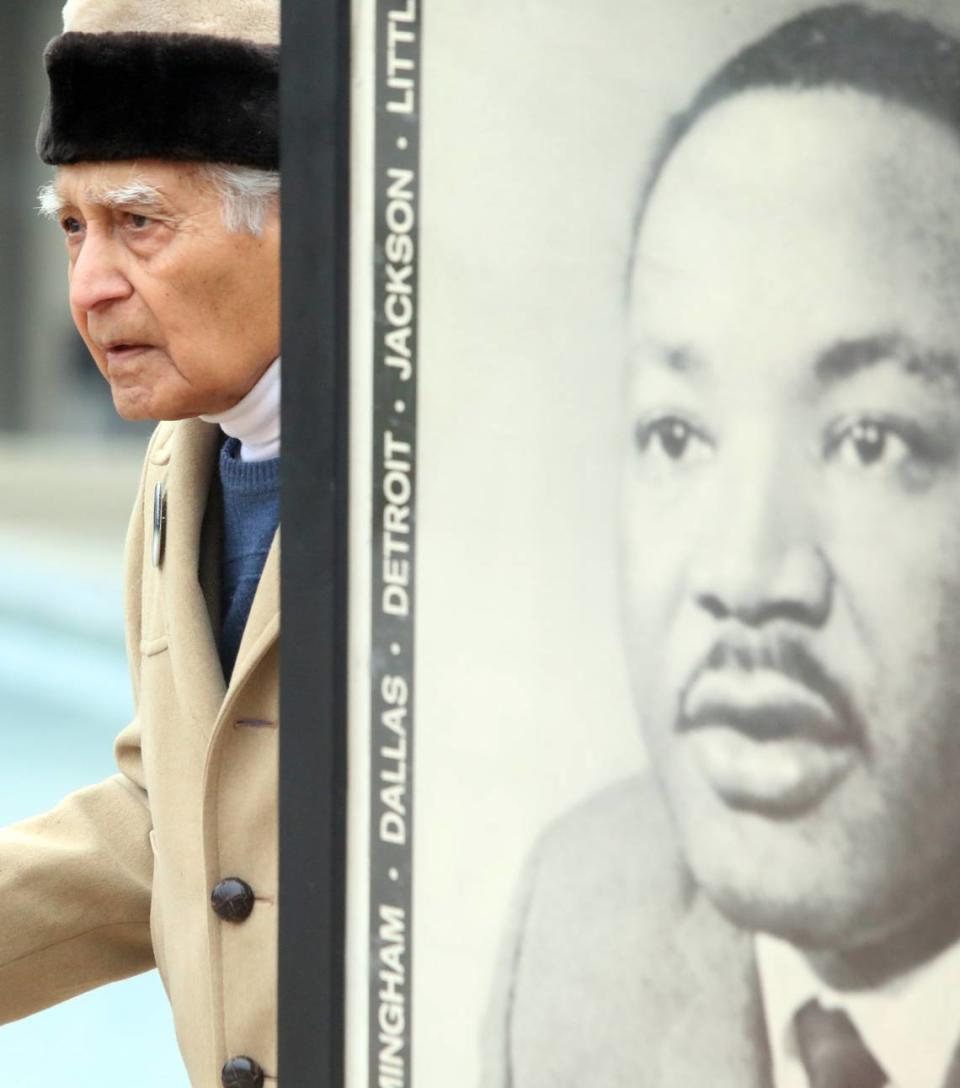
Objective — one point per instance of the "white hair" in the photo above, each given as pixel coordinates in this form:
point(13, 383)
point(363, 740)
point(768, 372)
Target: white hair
point(248, 196)
point(50, 203)
point(134, 194)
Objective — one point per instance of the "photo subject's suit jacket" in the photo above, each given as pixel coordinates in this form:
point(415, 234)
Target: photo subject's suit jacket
point(118, 877)
point(618, 973)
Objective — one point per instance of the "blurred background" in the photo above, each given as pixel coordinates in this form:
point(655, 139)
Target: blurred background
point(68, 475)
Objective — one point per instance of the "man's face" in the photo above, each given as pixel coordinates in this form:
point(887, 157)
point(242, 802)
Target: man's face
point(792, 511)
point(181, 315)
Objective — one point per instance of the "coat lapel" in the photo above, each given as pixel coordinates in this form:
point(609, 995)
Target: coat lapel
point(263, 623)
point(718, 1036)
point(193, 455)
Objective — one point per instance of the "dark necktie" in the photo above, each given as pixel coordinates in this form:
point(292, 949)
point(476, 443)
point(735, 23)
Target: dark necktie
point(833, 1053)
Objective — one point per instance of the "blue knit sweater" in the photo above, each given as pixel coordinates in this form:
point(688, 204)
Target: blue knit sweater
point(251, 513)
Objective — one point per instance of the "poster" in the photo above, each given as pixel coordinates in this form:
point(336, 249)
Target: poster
point(504, 159)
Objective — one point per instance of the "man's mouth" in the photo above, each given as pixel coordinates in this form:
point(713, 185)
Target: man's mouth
point(767, 741)
point(120, 351)
point(123, 345)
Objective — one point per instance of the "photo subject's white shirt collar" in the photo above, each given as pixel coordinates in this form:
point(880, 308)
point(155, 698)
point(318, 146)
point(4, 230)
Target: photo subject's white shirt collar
point(255, 420)
point(911, 1024)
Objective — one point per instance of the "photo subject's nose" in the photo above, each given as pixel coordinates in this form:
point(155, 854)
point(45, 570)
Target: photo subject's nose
point(761, 561)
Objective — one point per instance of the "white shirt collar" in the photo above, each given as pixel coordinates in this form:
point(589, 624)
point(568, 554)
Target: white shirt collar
point(255, 420)
point(910, 1024)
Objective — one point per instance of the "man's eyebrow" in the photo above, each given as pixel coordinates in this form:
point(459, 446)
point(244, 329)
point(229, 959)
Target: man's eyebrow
point(135, 194)
point(849, 357)
point(51, 203)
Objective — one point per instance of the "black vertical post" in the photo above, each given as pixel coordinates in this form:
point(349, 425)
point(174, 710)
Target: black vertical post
point(315, 160)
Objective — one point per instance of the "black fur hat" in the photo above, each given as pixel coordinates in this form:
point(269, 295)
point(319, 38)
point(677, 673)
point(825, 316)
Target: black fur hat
point(164, 79)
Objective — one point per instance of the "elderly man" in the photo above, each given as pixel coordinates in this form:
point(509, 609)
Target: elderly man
point(162, 122)
point(784, 909)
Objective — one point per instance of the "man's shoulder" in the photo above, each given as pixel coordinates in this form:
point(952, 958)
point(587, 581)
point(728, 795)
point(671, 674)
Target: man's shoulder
point(616, 847)
point(605, 891)
point(615, 968)
point(592, 976)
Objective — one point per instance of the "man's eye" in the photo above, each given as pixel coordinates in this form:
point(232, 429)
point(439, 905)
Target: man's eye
point(138, 222)
point(71, 225)
point(868, 444)
point(672, 439)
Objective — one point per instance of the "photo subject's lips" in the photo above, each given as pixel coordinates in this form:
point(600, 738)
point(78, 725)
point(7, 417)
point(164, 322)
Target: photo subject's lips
point(765, 741)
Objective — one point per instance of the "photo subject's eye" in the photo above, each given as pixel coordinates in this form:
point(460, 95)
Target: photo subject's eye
point(669, 438)
point(869, 444)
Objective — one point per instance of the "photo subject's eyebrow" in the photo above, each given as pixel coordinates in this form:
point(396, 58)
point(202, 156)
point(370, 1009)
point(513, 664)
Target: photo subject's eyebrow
point(678, 358)
point(849, 357)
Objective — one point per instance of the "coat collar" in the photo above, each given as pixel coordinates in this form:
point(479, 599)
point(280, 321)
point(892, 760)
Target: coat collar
point(263, 624)
point(190, 453)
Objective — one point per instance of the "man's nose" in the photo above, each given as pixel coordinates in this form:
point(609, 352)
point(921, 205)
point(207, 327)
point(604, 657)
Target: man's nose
point(761, 559)
point(97, 277)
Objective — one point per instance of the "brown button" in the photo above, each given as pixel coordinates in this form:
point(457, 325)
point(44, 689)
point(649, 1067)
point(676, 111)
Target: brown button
point(241, 1073)
point(232, 899)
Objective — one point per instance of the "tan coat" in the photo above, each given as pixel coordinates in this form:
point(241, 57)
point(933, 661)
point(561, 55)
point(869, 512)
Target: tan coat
point(118, 877)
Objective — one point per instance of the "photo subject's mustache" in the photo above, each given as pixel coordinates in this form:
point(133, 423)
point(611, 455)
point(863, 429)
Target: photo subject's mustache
point(779, 654)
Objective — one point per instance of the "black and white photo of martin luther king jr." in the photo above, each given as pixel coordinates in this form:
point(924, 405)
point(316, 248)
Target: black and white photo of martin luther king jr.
point(780, 905)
